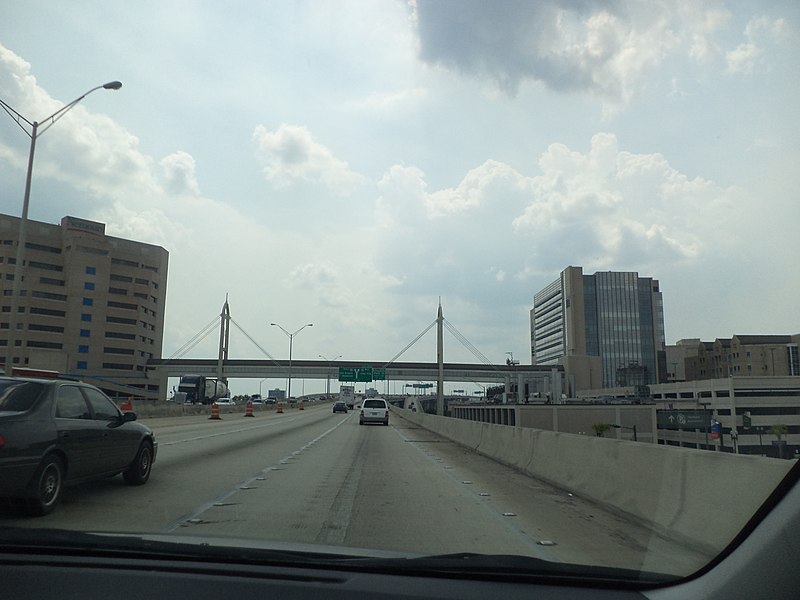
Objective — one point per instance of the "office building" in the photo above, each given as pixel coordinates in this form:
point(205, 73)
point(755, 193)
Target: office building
point(606, 329)
point(91, 305)
point(745, 356)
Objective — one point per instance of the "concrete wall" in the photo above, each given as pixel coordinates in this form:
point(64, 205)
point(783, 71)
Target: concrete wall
point(694, 496)
point(568, 418)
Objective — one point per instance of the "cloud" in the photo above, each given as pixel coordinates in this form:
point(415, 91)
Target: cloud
point(179, 173)
point(606, 208)
point(590, 46)
point(104, 160)
point(759, 31)
point(616, 209)
point(291, 153)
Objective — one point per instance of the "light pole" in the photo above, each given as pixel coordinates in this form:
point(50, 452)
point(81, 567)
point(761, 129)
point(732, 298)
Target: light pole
point(291, 340)
point(328, 386)
point(34, 134)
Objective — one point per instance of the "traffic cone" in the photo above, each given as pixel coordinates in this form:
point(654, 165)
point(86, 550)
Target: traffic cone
point(248, 411)
point(279, 409)
point(215, 412)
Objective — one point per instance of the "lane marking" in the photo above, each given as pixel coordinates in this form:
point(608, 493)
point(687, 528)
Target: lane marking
point(226, 432)
point(193, 517)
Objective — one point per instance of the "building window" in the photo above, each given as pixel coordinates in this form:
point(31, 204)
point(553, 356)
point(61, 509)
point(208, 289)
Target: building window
point(83, 349)
point(91, 270)
point(82, 365)
point(85, 333)
point(86, 317)
point(88, 301)
point(88, 285)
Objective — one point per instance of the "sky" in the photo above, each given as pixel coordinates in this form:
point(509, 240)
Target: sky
point(353, 164)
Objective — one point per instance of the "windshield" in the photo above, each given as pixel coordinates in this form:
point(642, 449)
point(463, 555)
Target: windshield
point(558, 238)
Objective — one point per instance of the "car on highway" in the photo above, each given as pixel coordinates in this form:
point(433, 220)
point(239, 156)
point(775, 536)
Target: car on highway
point(225, 402)
point(56, 432)
point(374, 410)
point(339, 406)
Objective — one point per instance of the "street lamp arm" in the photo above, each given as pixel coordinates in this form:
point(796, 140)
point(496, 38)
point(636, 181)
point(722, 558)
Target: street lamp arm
point(16, 116)
point(301, 329)
point(289, 335)
point(111, 85)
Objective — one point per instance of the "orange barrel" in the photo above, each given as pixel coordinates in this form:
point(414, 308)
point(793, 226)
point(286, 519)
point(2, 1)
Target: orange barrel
point(215, 412)
point(248, 411)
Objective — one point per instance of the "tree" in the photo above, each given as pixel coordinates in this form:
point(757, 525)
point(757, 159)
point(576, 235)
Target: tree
point(779, 431)
point(601, 428)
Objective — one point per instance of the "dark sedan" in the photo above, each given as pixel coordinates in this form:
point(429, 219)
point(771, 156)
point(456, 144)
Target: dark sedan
point(59, 432)
point(339, 406)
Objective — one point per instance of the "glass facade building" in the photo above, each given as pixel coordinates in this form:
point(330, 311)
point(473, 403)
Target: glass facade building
point(616, 316)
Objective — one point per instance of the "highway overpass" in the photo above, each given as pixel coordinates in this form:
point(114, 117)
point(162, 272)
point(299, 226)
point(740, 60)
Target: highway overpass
point(544, 380)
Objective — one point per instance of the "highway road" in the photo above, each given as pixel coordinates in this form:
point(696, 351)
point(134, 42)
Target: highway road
point(316, 477)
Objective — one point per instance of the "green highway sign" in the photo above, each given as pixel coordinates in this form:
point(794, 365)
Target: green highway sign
point(361, 374)
point(347, 374)
point(683, 419)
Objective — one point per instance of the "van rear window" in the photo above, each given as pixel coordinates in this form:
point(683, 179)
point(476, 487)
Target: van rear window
point(374, 404)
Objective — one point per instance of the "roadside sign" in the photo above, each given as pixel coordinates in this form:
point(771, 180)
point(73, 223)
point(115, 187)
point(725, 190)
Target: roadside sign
point(347, 374)
point(361, 374)
point(682, 419)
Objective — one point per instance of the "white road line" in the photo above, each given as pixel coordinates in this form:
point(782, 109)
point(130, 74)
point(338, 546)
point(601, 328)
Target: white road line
point(260, 476)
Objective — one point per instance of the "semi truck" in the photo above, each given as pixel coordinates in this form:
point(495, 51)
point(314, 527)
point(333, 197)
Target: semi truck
point(202, 390)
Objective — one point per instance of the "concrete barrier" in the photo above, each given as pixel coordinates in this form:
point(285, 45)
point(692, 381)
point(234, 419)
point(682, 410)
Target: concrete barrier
point(693, 496)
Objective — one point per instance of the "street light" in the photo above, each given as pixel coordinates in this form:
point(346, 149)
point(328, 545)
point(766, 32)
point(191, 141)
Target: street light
point(34, 133)
point(328, 386)
point(291, 340)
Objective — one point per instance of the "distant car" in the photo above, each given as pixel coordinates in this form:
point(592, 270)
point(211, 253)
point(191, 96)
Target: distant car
point(339, 406)
point(59, 432)
point(257, 401)
point(225, 402)
point(374, 410)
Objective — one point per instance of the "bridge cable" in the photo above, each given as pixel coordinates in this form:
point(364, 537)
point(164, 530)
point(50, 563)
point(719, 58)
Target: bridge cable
point(198, 337)
point(255, 343)
point(467, 344)
point(414, 341)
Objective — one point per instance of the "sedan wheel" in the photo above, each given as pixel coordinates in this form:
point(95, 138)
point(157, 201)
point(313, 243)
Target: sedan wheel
point(139, 471)
point(49, 483)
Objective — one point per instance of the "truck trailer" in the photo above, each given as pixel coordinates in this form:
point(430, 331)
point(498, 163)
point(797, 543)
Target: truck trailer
point(202, 390)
